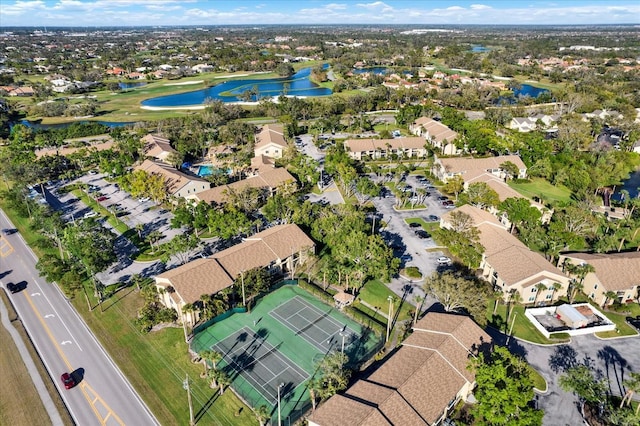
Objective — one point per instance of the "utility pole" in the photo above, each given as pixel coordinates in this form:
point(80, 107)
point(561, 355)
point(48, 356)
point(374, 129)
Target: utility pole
point(185, 385)
point(279, 419)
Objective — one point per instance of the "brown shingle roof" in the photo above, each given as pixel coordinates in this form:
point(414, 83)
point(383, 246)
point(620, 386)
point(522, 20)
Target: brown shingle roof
point(268, 178)
point(510, 258)
point(461, 165)
point(193, 279)
point(360, 145)
point(615, 271)
point(174, 179)
point(415, 384)
point(155, 145)
point(478, 216)
point(270, 134)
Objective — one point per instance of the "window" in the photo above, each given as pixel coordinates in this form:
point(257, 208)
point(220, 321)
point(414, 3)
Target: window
point(595, 287)
point(533, 290)
point(548, 296)
point(593, 295)
point(532, 298)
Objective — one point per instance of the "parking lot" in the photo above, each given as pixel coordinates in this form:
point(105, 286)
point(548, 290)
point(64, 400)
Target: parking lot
point(132, 212)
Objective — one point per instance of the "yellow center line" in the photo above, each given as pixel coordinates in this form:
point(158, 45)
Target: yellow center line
point(83, 386)
point(5, 248)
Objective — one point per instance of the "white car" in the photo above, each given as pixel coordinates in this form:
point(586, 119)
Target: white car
point(144, 199)
point(443, 260)
point(90, 214)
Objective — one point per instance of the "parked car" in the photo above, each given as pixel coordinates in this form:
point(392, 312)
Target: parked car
point(90, 214)
point(433, 218)
point(67, 380)
point(443, 260)
point(102, 198)
point(414, 225)
point(143, 199)
point(421, 233)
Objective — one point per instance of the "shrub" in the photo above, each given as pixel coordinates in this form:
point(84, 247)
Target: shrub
point(412, 272)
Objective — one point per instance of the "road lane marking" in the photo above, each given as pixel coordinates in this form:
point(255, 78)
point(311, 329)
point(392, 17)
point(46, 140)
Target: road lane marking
point(56, 312)
point(83, 384)
point(97, 403)
point(5, 248)
point(49, 316)
point(35, 294)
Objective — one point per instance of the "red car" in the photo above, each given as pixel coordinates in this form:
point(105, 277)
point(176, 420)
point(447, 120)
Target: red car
point(102, 198)
point(67, 380)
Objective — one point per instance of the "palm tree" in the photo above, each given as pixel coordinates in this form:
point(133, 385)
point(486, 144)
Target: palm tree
point(514, 298)
point(418, 300)
point(555, 287)
point(187, 308)
point(633, 385)
point(223, 380)
point(608, 295)
point(210, 355)
point(262, 414)
point(576, 286)
point(540, 287)
point(315, 389)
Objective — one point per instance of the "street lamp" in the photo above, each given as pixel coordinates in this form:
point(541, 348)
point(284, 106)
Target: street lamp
point(279, 419)
point(390, 299)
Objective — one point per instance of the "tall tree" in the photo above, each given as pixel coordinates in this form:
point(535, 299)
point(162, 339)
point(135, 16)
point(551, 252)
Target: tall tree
point(457, 293)
point(504, 390)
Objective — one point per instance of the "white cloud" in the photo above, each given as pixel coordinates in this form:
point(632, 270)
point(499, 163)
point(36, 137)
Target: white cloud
point(378, 5)
point(336, 6)
point(479, 7)
point(455, 8)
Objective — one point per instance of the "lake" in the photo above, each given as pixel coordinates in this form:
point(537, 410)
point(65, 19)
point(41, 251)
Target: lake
point(522, 91)
point(631, 184)
point(479, 49)
point(299, 84)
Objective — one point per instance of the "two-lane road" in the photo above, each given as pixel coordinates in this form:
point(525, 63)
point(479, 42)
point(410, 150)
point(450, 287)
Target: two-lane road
point(102, 395)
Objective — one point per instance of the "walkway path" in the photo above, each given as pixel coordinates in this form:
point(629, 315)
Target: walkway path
point(31, 368)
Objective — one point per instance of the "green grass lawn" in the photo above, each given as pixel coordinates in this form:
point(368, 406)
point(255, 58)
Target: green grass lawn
point(522, 327)
point(375, 293)
point(622, 328)
point(540, 188)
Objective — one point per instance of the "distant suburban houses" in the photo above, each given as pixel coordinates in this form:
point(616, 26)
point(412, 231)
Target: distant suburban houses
point(71, 146)
point(419, 383)
point(277, 249)
point(613, 272)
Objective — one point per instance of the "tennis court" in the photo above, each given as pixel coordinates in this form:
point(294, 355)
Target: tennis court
point(314, 325)
point(260, 364)
point(281, 341)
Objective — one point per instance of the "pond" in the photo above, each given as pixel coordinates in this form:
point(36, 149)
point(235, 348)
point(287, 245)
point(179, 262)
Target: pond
point(479, 49)
point(125, 86)
point(298, 84)
point(631, 184)
point(522, 91)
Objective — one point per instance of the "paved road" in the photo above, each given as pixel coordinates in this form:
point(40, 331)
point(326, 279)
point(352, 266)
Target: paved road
point(103, 396)
point(613, 358)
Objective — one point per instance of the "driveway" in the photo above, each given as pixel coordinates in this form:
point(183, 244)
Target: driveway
point(613, 358)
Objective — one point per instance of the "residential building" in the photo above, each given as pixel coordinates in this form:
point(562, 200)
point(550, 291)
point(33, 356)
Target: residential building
point(177, 183)
point(268, 180)
point(446, 168)
point(540, 121)
point(616, 272)
point(270, 141)
point(360, 149)
point(91, 143)
point(509, 265)
point(157, 147)
point(419, 383)
point(439, 135)
point(278, 249)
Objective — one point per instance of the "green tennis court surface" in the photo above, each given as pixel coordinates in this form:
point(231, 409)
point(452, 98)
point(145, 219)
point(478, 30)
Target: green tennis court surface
point(280, 342)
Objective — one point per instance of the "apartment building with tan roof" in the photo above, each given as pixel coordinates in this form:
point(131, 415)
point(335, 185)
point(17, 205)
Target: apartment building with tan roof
point(177, 183)
point(616, 272)
point(269, 180)
point(469, 168)
point(359, 149)
point(157, 147)
point(436, 133)
point(278, 249)
point(511, 266)
point(270, 141)
point(419, 383)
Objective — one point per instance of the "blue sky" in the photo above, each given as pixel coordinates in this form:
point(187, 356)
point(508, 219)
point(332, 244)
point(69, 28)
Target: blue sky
point(249, 12)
